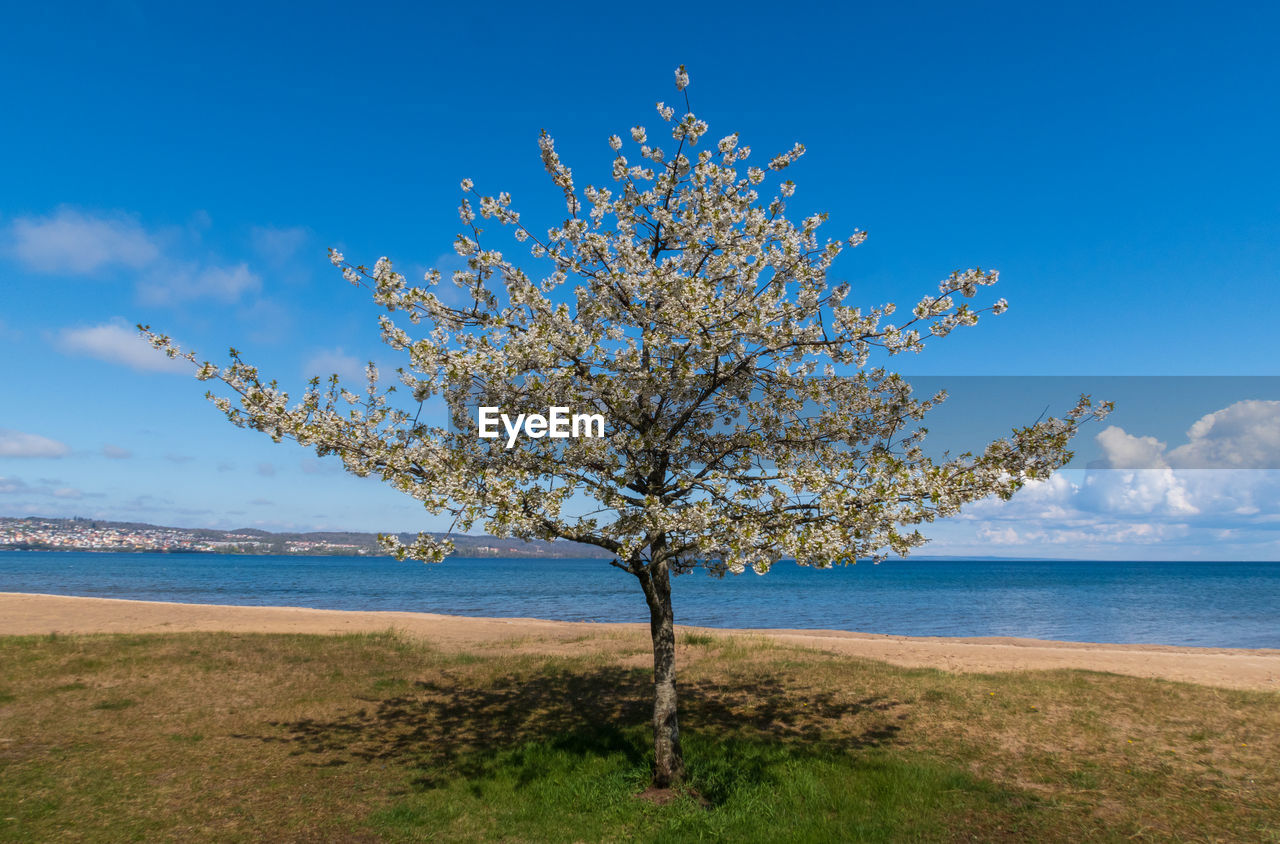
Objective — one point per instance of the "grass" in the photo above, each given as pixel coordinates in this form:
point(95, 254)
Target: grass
point(378, 737)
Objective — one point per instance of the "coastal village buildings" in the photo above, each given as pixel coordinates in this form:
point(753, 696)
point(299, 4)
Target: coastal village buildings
point(86, 535)
point(36, 533)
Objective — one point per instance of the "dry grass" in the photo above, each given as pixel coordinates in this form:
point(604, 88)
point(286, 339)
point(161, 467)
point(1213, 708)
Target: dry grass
point(370, 737)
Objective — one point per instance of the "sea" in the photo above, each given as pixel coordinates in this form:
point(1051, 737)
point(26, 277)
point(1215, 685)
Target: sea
point(1211, 604)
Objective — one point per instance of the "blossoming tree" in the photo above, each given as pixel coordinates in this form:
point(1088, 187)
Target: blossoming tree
point(748, 418)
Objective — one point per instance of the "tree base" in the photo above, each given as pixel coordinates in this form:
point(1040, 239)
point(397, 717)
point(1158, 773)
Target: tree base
point(663, 796)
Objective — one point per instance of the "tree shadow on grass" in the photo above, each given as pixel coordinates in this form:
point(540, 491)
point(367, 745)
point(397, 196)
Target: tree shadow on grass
point(447, 728)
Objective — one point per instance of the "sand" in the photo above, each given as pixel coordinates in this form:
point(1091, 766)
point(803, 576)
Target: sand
point(1235, 668)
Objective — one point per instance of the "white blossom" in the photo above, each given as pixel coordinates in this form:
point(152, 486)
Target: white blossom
point(679, 301)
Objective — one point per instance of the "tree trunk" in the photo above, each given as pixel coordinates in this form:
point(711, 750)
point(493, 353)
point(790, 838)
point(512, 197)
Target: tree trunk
point(668, 758)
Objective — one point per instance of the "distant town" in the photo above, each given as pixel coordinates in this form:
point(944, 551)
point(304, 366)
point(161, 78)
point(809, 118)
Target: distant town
point(47, 534)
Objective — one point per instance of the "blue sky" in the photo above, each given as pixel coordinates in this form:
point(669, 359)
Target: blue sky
point(187, 167)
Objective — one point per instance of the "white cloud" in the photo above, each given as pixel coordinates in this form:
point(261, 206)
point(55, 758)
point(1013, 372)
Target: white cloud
point(1052, 498)
point(1245, 435)
point(13, 486)
point(1229, 465)
point(1136, 492)
point(68, 241)
point(17, 486)
point(1087, 535)
point(20, 444)
point(1228, 493)
point(168, 265)
point(1122, 450)
point(191, 281)
point(115, 452)
point(114, 342)
point(1146, 499)
point(334, 361)
point(1000, 535)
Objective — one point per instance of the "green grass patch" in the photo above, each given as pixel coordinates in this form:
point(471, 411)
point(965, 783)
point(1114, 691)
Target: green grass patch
point(583, 787)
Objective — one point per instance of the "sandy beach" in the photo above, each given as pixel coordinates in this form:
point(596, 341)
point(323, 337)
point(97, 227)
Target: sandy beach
point(26, 614)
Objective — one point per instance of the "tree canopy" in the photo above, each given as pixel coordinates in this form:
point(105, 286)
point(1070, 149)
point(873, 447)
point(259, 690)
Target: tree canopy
point(750, 413)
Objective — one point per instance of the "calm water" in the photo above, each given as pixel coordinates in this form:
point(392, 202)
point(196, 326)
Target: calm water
point(1213, 604)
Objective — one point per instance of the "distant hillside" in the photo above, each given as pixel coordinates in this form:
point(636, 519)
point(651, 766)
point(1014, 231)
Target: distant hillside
point(93, 534)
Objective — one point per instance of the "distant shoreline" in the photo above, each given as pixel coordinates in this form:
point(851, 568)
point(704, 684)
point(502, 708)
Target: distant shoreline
point(1237, 668)
point(40, 533)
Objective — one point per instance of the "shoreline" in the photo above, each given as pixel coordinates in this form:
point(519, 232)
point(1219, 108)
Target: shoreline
point(1237, 668)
